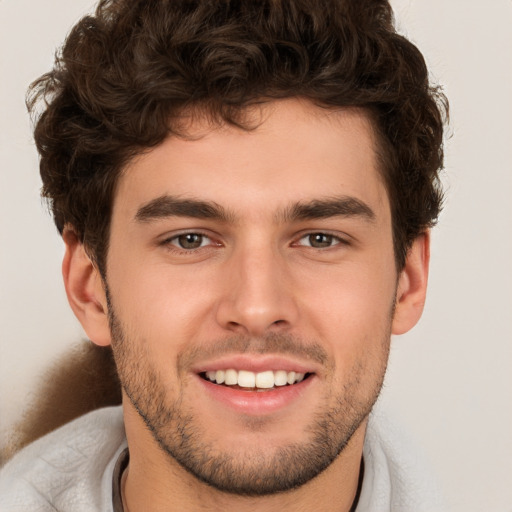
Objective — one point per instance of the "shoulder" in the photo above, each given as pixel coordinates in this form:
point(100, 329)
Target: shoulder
point(69, 469)
point(397, 475)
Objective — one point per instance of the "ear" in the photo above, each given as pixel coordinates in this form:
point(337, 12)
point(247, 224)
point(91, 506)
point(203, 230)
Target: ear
point(412, 286)
point(85, 291)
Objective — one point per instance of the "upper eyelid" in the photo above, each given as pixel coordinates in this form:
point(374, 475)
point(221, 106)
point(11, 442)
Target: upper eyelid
point(168, 237)
point(170, 244)
point(336, 241)
point(192, 233)
point(343, 237)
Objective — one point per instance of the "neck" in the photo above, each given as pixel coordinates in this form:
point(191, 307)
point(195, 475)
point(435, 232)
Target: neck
point(152, 476)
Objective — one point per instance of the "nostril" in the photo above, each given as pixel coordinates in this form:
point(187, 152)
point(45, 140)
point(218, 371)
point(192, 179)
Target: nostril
point(235, 326)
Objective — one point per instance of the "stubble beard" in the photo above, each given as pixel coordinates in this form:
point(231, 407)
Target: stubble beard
point(247, 473)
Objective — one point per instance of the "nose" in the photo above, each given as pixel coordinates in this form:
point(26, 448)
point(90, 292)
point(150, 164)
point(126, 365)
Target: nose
point(258, 293)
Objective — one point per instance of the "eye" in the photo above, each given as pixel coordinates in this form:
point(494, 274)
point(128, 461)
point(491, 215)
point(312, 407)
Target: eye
point(190, 241)
point(319, 240)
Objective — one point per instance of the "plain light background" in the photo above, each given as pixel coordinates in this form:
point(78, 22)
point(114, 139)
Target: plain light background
point(450, 379)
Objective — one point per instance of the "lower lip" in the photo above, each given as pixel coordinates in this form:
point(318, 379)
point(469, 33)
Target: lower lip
point(257, 403)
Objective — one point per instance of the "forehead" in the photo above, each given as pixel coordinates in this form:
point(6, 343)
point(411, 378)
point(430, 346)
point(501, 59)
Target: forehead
point(295, 152)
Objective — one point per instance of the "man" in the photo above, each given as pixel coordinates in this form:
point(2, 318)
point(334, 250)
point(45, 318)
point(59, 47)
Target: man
point(245, 191)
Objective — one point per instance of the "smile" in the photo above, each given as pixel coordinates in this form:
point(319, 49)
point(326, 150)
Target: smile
point(254, 380)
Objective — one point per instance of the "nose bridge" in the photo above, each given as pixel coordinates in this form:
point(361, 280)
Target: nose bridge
point(258, 295)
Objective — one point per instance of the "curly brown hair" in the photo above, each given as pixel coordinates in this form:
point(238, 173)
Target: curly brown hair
point(126, 75)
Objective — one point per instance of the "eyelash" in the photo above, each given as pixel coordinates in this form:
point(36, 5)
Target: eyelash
point(170, 245)
point(171, 242)
point(335, 239)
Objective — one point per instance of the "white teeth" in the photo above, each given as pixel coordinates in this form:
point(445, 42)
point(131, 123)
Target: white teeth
point(290, 378)
point(231, 378)
point(246, 379)
point(280, 378)
point(263, 380)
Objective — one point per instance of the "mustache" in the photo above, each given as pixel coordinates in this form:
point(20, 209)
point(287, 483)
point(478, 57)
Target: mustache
point(270, 343)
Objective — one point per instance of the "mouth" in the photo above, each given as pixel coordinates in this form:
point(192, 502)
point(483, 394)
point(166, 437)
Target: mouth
point(257, 385)
point(254, 381)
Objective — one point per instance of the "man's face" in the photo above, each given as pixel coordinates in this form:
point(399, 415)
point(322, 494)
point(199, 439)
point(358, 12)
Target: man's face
point(257, 258)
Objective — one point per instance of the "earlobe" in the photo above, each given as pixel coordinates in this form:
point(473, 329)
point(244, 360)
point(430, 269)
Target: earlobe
point(84, 289)
point(412, 286)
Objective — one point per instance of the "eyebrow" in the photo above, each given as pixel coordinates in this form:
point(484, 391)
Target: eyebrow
point(171, 206)
point(344, 206)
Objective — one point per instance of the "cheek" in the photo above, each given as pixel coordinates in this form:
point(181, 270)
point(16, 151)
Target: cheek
point(358, 332)
point(355, 299)
point(166, 308)
point(351, 315)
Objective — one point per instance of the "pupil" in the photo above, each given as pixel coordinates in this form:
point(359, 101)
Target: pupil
point(320, 240)
point(190, 241)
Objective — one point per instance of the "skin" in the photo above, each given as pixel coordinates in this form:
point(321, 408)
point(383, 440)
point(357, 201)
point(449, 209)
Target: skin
point(256, 286)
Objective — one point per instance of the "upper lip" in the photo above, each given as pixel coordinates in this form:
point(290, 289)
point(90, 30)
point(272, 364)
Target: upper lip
point(256, 363)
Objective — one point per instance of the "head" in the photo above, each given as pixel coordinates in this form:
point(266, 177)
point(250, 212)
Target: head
point(127, 77)
point(248, 187)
